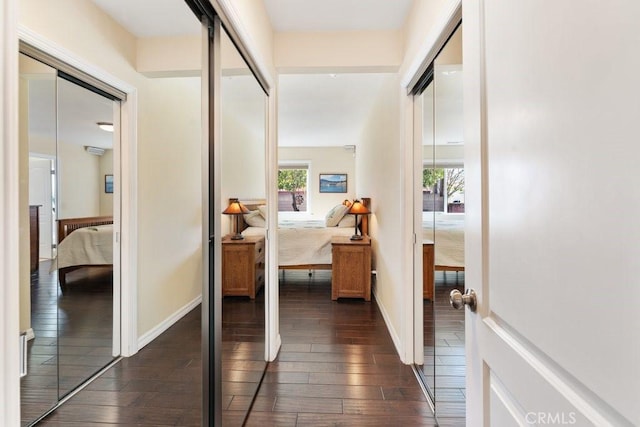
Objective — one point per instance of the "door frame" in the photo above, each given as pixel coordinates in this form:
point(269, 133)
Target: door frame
point(125, 169)
point(443, 27)
point(9, 218)
point(10, 33)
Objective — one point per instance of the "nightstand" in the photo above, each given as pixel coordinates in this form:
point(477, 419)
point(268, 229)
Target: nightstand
point(351, 268)
point(242, 266)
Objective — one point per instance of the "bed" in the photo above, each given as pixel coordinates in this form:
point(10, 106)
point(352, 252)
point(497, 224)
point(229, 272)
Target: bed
point(83, 242)
point(304, 244)
point(447, 254)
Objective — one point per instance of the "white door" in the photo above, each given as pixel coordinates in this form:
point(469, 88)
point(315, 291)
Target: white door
point(552, 125)
point(40, 188)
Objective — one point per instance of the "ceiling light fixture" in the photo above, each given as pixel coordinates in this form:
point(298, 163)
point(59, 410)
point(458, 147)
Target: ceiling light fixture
point(106, 126)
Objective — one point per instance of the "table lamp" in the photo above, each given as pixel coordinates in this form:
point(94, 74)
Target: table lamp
point(236, 208)
point(358, 208)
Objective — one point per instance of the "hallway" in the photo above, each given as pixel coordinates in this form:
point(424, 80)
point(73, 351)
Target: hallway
point(337, 366)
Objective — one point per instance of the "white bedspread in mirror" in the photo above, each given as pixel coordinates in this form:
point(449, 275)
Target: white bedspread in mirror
point(86, 246)
point(448, 236)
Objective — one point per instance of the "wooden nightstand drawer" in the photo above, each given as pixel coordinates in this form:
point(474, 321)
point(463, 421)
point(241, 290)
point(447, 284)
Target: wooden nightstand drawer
point(351, 268)
point(242, 266)
point(259, 249)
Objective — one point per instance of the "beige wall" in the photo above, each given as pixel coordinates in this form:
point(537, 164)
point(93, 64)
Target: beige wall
point(341, 51)
point(379, 165)
point(78, 182)
point(421, 19)
point(106, 168)
point(170, 199)
point(324, 160)
point(169, 272)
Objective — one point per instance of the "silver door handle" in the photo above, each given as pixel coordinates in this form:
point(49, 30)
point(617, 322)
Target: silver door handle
point(458, 300)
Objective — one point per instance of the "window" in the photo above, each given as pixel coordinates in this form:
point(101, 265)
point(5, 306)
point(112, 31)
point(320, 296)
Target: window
point(292, 188)
point(443, 187)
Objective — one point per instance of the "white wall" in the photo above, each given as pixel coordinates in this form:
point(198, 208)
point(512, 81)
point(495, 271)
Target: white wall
point(170, 195)
point(242, 162)
point(78, 182)
point(324, 160)
point(378, 169)
point(169, 272)
point(420, 22)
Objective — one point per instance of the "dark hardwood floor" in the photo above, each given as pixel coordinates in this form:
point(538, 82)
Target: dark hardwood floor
point(449, 370)
point(337, 366)
point(73, 335)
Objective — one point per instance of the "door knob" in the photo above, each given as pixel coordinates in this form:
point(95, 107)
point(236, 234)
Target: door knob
point(458, 300)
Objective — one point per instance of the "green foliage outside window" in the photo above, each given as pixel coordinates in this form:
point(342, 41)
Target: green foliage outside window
point(294, 181)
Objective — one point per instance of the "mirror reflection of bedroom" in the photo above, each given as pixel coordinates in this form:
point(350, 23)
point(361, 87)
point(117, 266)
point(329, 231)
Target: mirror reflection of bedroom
point(442, 218)
point(67, 310)
point(243, 175)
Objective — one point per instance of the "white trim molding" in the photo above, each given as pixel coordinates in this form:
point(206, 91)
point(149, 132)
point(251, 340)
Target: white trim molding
point(156, 331)
point(392, 332)
point(9, 218)
point(128, 176)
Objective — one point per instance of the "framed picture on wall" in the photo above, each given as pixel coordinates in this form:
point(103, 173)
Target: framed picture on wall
point(108, 183)
point(333, 182)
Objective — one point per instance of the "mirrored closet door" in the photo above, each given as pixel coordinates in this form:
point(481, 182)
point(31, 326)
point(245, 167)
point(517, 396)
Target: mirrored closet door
point(440, 222)
point(69, 313)
point(243, 177)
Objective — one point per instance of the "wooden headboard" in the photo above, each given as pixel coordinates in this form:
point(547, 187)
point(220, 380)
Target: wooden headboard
point(252, 205)
point(68, 225)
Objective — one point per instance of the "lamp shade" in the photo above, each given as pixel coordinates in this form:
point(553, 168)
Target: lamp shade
point(358, 208)
point(235, 208)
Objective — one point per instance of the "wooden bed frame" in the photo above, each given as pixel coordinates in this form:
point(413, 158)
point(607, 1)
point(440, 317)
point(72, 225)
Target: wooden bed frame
point(67, 226)
point(428, 270)
point(253, 205)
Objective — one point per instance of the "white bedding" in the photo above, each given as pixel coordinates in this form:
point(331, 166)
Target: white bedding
point(303, 242)
point(86, 246)
point(449, 238)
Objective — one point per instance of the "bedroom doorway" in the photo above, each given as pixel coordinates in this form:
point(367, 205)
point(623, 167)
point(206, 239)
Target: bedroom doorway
point(70, 286)
point(439, 223)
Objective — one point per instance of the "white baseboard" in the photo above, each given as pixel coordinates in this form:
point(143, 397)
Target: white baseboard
point(394, 335)
point(30, 334)
point(167, 323)
point(275, 349)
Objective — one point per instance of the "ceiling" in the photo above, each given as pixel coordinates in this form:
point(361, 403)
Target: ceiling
point(320, 110)
point(314, 110)
point(337, 15)
point(153, 18)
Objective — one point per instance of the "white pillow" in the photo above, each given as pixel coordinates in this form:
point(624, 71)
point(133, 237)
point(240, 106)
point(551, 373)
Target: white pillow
point(335, 215)
point(263, 211)
point(254, 219)
point(348, 221)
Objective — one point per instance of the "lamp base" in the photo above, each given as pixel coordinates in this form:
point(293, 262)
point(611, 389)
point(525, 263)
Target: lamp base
point(237, 236)
point(356, 237)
